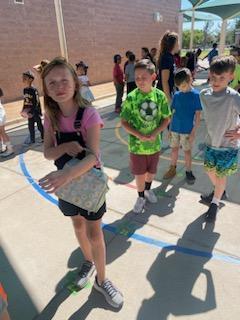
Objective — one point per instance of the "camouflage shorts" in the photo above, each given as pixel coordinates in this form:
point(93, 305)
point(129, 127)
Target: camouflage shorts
point(180, 139)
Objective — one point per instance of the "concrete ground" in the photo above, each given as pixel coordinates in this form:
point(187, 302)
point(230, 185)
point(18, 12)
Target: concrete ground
point(167, 262)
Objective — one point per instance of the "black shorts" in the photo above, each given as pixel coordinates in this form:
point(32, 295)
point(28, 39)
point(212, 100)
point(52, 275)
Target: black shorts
point(71, 210)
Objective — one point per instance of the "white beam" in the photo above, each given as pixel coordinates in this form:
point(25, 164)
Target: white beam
point(180, 29)
point(61, 30)
point(223, 36)
point(192, 29)
point(192, 23)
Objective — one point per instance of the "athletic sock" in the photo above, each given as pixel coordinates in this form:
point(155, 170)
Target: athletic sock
point(148, 185)
point(215, 201)
point(141, 194)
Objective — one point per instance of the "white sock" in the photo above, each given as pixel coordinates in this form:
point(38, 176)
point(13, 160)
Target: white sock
point(216, 201)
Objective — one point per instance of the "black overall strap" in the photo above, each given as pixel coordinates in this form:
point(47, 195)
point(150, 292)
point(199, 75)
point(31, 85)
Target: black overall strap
point(78, 120)
point(63, 137)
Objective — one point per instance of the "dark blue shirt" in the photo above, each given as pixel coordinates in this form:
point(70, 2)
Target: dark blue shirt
point(213, 53)
point(166, 63)
point(184, 106)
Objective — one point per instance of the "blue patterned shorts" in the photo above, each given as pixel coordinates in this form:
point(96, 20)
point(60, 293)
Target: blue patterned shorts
point(223, 161)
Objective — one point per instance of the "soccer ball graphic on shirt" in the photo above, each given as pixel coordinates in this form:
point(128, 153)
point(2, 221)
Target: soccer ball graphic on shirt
point(148, 110)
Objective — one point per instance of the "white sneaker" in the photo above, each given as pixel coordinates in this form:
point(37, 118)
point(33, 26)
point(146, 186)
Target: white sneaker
point(139, 205)
point(84, 274)
point(7, 153)
point(3, 148)
point(112, 295)
point(150, 196)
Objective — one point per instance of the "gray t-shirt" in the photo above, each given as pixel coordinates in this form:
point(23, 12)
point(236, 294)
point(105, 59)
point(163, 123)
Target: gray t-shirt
point(221, 112)
point(129, 72)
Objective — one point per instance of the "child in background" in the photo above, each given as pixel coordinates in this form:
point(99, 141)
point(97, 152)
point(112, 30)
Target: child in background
point(85, 92)
point(39, 67)
point(145, 114)
point(130, 73)
point(177, 59)
point(186, 108)
point(6, 148)
point(126, 62)
point(153, 54)
point(235, 84)
point(221, 107)
point(31, 106)
point(3, 305)
point(118, 81)
point(212, 54)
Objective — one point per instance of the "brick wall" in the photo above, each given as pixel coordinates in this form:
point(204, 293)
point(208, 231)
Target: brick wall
point(95, 31)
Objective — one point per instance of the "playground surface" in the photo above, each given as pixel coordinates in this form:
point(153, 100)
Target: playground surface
point(167, 262)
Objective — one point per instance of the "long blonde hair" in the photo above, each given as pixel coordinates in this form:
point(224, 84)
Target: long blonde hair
point(51, 107)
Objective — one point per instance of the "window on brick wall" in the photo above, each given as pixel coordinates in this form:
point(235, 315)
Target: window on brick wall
point(19, 1)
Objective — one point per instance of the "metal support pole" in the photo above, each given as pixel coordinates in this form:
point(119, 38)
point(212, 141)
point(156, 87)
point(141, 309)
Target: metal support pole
point(61, 30)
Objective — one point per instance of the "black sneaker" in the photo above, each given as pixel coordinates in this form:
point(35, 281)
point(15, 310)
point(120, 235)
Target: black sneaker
point(207, 198)
point(84, 274)
point(190, 177)
point(210, 215)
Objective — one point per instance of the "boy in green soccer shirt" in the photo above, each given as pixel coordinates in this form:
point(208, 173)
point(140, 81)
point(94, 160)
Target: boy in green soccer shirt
point(145, 113)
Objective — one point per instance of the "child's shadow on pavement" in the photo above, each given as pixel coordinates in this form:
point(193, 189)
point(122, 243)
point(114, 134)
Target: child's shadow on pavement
point(175, 272)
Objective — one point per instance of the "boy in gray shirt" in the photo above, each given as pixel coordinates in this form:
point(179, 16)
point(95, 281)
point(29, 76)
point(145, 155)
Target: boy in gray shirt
point(130, 73)
point(221, 107)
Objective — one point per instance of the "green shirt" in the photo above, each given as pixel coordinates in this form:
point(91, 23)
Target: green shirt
point(236, 80)
point(145, 112)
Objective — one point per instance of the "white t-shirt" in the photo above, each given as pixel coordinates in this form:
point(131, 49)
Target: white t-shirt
point(2, 115)
point(84, 80)
point(221, 113)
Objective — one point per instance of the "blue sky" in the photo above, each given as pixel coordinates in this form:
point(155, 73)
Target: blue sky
point(185, 4)
point(198, 25)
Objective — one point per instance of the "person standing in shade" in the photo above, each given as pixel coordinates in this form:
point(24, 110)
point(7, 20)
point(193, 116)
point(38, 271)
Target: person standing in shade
point(130, 73)
point(126, 62)
point(213, 53)
point(31, 106)
point(146, 54)
point(6, 148)
point(235, 84)
point(118, 81)
point(153, 54)
point(166, 65)
point(4, 315)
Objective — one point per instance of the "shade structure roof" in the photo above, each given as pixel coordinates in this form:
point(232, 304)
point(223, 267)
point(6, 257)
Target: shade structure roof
point(199, 16)
point(225, 9)
point(197, 2)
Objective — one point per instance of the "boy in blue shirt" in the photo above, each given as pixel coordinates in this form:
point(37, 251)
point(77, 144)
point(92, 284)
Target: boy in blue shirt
point(186, 108)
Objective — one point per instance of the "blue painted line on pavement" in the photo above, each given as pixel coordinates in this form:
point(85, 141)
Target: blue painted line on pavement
point(135, 236)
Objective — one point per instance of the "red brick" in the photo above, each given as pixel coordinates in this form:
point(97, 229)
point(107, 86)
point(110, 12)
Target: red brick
point(95, 31)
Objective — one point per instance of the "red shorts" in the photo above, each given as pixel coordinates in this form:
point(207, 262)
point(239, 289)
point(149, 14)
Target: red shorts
point(141, 164)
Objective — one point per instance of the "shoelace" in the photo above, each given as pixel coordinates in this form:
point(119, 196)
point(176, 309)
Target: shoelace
point(86, 267)
point(109, 287)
